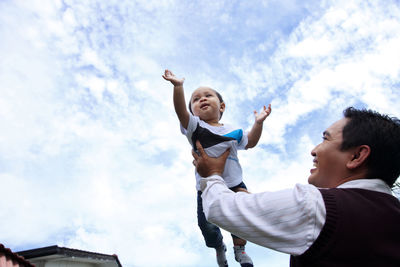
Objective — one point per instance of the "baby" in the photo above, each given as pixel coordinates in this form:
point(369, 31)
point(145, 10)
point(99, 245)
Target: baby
point(206, 107)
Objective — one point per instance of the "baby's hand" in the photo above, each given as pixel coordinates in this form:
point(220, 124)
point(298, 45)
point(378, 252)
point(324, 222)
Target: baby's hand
point(263, 114)
point(169, 76)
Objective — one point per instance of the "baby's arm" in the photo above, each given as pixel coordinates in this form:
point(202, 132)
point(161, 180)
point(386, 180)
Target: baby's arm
point(179, 97)
point(255, 133)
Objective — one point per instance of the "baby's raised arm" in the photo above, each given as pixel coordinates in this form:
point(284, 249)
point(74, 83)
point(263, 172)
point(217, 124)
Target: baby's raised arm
point(179, 97)
point(255, 133)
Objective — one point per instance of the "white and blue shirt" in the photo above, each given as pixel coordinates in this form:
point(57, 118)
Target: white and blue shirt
point(215, 141)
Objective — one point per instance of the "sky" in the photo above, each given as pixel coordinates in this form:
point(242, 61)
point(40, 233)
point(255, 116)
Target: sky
point(91, 154)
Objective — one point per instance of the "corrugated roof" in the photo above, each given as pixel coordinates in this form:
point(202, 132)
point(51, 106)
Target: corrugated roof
point(15, 257)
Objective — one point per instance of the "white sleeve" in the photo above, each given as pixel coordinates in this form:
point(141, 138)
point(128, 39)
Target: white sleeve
point(243, 143)
point(192, 124)
point(288, 221)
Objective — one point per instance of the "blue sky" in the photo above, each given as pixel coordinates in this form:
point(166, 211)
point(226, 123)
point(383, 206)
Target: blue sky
point(91, 156)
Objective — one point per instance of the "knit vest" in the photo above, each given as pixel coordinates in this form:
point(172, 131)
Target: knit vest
point(362, 228)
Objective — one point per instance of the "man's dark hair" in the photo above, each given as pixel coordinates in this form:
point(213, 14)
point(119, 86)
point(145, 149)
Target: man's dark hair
point(382, 134)
point(220, 100)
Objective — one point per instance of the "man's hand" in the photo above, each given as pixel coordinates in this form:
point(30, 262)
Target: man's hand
point(207, 166)
point(260, 117)
point(169, 76)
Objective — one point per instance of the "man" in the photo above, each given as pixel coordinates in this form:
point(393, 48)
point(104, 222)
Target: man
point(345, 216)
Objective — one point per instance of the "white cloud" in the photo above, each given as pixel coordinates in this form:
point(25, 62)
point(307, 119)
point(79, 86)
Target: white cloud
point(91, 152)
point(345, 52)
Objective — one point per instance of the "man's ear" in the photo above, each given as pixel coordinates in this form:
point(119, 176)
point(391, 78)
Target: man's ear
point(222, 107)
point(359, 156)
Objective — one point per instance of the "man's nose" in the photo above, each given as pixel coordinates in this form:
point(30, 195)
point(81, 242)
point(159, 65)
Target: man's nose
point(313, 151)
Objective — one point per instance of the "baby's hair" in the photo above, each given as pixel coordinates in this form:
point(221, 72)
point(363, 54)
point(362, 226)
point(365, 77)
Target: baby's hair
point(220, 100)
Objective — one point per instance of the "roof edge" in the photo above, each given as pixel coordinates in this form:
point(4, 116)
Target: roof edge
point(15, 257)
point(56, 250)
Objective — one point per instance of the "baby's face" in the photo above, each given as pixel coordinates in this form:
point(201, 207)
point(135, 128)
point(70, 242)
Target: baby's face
point(206, 105)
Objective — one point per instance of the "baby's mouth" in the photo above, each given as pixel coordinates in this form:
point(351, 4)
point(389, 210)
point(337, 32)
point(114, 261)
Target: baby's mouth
point(204, 106)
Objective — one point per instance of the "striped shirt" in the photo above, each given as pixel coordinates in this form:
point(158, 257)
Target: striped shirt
point(288, 221)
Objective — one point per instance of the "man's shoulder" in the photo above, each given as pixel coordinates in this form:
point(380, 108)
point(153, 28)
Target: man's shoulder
point(358, 195)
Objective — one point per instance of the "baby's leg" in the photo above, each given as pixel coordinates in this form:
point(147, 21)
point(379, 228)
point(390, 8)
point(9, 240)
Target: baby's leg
point(239, 243)
point(211, 233)
point(240, 253)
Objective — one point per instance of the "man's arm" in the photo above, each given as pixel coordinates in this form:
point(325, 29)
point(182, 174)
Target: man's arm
point(288, 221)
point(179, 97)
point(255, 133)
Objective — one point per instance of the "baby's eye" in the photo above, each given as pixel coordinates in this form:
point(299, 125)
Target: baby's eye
point(195, 99)
point(324, 138)
point(208, 95)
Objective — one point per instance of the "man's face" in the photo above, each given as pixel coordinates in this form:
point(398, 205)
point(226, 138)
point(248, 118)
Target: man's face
point(329, 161)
